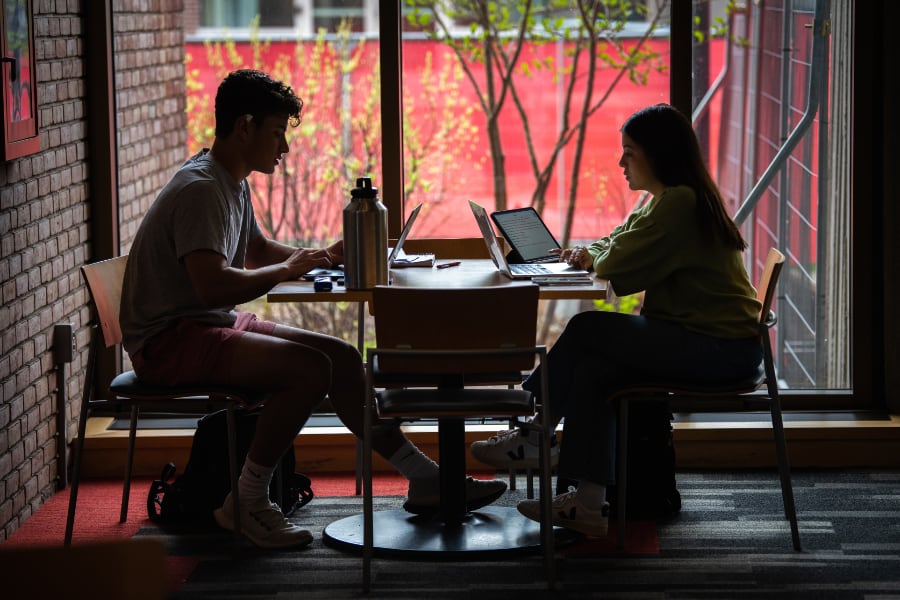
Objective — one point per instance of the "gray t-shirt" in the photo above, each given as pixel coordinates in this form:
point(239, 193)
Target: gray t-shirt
point(201, 208)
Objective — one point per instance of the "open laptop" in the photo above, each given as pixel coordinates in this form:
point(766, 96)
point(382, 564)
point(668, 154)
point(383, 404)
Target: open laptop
point(518, 270)
point(396, 256)
point(528, 236)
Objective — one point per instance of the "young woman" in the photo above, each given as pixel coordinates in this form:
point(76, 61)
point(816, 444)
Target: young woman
point(699, 319)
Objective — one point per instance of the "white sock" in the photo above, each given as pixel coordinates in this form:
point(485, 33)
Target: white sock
point(412, 463)
point(591, 494)
point(254, 481)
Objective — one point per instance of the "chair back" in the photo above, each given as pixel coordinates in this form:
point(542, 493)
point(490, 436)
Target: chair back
point(768, 281)
point(459, 320)
point(104, 280)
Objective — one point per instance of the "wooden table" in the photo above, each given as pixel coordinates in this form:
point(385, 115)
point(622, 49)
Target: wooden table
point(489, 530)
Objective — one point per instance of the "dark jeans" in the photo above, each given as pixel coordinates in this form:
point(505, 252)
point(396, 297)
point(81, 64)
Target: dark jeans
point(600, 351)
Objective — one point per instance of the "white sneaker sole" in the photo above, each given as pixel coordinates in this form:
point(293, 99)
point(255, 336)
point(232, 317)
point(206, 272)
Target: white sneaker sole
point(598, 528)
point(298, 540)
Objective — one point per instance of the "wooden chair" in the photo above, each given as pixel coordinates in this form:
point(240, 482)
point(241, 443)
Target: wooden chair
point(743, 391)
point(104, 280)
point(463, 248)
point(450, 354)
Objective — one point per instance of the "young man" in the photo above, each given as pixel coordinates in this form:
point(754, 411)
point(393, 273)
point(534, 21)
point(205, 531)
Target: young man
point(197, 254)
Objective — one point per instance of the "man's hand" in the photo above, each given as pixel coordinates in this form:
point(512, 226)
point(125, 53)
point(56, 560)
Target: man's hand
point(304, 260)
point(336, 253)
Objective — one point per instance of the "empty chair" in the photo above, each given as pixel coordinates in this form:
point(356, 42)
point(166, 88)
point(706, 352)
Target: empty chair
point(450, 354)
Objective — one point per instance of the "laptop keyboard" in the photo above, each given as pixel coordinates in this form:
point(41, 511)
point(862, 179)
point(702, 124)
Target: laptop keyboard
point(526, 269)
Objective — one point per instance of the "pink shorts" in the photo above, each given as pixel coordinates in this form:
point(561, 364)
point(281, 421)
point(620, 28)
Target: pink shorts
point(192, 352)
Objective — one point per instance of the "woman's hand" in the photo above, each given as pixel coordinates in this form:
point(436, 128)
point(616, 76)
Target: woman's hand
point(576, 256)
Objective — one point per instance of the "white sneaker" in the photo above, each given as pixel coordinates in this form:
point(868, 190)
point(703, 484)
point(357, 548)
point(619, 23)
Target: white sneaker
point(570, 513)
point(510, 449)
point(263, 524)
point(424, 496)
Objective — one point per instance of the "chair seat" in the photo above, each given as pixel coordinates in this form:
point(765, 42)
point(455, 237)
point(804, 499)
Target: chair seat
point(385, 378)
point(127, 385)
point(427, 403)
point(697, 388)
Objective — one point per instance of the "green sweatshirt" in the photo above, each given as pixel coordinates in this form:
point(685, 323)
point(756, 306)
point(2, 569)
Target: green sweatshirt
point(659, 249)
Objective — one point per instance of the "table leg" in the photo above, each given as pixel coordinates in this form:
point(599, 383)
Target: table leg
point(451, 445)
point(361, 346)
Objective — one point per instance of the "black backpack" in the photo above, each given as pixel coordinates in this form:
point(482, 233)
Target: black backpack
point(189, 499)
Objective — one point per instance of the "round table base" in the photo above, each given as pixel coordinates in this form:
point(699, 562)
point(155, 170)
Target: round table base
point(489, 530)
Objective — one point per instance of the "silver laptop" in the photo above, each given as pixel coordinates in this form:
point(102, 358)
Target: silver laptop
point(517, 270)
point(398, 258)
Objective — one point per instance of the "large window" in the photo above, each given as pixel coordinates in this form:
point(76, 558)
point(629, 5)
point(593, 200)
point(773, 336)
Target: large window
point(522, 108)
point(521, 104)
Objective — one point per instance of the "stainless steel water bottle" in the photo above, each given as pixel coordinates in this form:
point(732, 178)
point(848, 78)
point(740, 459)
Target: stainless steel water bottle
point(365, 238)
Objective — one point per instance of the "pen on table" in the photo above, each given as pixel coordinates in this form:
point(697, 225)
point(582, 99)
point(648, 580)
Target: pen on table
point(455, 263)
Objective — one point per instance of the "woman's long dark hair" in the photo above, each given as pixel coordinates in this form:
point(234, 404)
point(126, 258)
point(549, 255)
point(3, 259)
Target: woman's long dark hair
point(668, 141)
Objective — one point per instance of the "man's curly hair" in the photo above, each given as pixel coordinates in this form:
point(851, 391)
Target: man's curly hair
point(252, 92)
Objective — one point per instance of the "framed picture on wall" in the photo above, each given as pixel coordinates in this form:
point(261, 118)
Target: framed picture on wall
point(20, 116)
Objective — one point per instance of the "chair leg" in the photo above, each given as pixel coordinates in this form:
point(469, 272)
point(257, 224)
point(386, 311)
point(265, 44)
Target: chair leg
point(76, 473)
point(368, 516)
point(529, 483)
point(129, 463)
point(787, 491)
point(86, 395)
point(73, 491)
point(359, 473)
point(621, 469)
point(513, 423)
point(233, 474)
point(545, 474)
point(546, 497)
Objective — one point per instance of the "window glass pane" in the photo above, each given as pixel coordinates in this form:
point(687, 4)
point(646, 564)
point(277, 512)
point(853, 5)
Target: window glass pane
point(226, 13)
point(764, 83)
point(329, 14)
point(540, 126)
point(335, 70)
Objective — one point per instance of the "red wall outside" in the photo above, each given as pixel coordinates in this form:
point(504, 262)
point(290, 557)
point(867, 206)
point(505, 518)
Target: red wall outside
point(603, 197)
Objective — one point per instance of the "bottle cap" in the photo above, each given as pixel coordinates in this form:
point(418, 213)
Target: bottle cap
point(364, 189)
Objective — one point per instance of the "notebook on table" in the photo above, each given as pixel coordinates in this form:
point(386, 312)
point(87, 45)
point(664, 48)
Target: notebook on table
point(520, 270)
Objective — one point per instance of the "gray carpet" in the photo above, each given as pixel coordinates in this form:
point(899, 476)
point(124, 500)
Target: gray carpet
point(729, 541)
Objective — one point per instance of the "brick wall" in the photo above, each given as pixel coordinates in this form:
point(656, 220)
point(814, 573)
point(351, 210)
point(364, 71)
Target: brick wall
point(44, 237)
point(150, 104)
point(45, 211)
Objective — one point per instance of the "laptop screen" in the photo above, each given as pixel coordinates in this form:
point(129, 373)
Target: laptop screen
point(527, 234)
point(398, 249)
